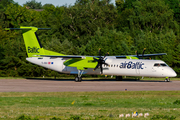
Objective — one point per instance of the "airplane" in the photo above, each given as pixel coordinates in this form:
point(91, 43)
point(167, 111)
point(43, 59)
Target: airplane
point(95, 65)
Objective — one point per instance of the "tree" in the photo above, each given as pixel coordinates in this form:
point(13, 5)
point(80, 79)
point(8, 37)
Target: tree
point(77, 25)
point(175, 6)
point(149, 15)
point(112, 41)
point(120, 5)
point(4, 3)
point(47, 6)
point(33, 4)
point(17, 15)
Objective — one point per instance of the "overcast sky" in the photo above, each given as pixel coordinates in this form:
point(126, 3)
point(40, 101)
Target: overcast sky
point(54, 2)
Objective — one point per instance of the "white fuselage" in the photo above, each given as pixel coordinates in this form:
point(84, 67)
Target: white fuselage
point(119, 67)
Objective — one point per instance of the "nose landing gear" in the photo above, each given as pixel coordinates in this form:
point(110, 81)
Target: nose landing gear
point(167, 79)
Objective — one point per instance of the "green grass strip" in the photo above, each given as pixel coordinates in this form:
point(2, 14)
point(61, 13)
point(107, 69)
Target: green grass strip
point(89, 105)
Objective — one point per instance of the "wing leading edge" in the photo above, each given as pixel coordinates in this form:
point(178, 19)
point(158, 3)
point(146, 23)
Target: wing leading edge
point(140, 55)
point(121, 56)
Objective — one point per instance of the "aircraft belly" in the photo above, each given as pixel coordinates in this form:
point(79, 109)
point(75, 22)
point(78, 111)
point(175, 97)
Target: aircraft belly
point(123, 72)
point(130, 72)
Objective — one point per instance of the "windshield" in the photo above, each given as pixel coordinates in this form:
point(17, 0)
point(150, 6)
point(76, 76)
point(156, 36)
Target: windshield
point(160, 64)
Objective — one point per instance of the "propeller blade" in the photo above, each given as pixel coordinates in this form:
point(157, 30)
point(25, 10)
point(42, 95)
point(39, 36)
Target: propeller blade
point(143, 52)
point(96, 66)
point(106, 64)
point(100, 52)
point(107, 54)
point(96, 59)
point(137, 54)
point(101, 69)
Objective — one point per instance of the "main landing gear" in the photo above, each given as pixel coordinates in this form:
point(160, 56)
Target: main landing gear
point(119, 78)
point(79, 78)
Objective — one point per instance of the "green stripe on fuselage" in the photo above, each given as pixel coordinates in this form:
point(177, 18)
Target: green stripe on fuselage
point(88, 62)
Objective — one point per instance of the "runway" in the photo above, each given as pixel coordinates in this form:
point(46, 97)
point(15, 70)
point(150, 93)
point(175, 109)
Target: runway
point(39, 85)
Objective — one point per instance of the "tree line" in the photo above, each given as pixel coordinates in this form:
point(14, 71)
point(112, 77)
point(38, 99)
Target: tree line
point(86, 26)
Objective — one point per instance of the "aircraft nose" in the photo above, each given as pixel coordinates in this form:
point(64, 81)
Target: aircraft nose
point(172, 73)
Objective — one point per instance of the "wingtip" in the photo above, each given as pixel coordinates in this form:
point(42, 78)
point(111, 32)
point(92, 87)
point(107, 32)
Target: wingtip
point(7, 28)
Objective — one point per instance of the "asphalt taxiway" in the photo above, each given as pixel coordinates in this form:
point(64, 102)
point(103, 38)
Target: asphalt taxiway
point(61, 85)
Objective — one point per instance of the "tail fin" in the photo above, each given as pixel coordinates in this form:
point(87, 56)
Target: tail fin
point(32, 42)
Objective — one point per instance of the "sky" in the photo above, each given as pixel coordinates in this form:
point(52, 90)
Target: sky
point(54, 2)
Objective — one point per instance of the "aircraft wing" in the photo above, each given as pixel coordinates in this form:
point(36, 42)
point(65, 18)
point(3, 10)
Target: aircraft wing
point(68, 56)
point(140, 55)
point(121, 56)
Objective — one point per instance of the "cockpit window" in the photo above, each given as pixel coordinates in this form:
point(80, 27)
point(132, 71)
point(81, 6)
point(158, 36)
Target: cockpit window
point(159, 64)
point(162, 64)
point(156, 64)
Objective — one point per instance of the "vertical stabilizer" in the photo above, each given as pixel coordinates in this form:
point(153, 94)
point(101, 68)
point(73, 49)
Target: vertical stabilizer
point(32, 42)
point(33, 45)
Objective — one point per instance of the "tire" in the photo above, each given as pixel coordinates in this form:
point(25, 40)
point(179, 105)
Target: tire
point(76, 79)
point(118, 78)
point(80, 78)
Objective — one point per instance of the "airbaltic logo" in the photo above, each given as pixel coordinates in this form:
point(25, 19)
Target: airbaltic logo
point(132, 65)
point(33, 50)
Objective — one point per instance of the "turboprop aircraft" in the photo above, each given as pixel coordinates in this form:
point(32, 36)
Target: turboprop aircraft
point(77, 64)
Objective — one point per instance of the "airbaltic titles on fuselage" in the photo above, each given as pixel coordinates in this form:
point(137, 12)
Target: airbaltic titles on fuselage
point(131, 65)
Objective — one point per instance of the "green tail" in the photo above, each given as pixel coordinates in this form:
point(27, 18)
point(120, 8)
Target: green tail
point(32, 43)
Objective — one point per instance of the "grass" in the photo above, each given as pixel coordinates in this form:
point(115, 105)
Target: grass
point(89, 105)
point(11, 78)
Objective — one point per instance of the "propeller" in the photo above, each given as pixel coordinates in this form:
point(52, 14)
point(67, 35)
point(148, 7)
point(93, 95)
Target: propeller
point(100, 61)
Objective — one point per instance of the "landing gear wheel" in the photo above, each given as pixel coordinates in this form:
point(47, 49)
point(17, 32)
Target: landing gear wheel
point(78, 79)
point(119, 78)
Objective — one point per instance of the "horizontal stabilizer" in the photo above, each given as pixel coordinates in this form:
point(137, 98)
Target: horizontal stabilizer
point(26, 28)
